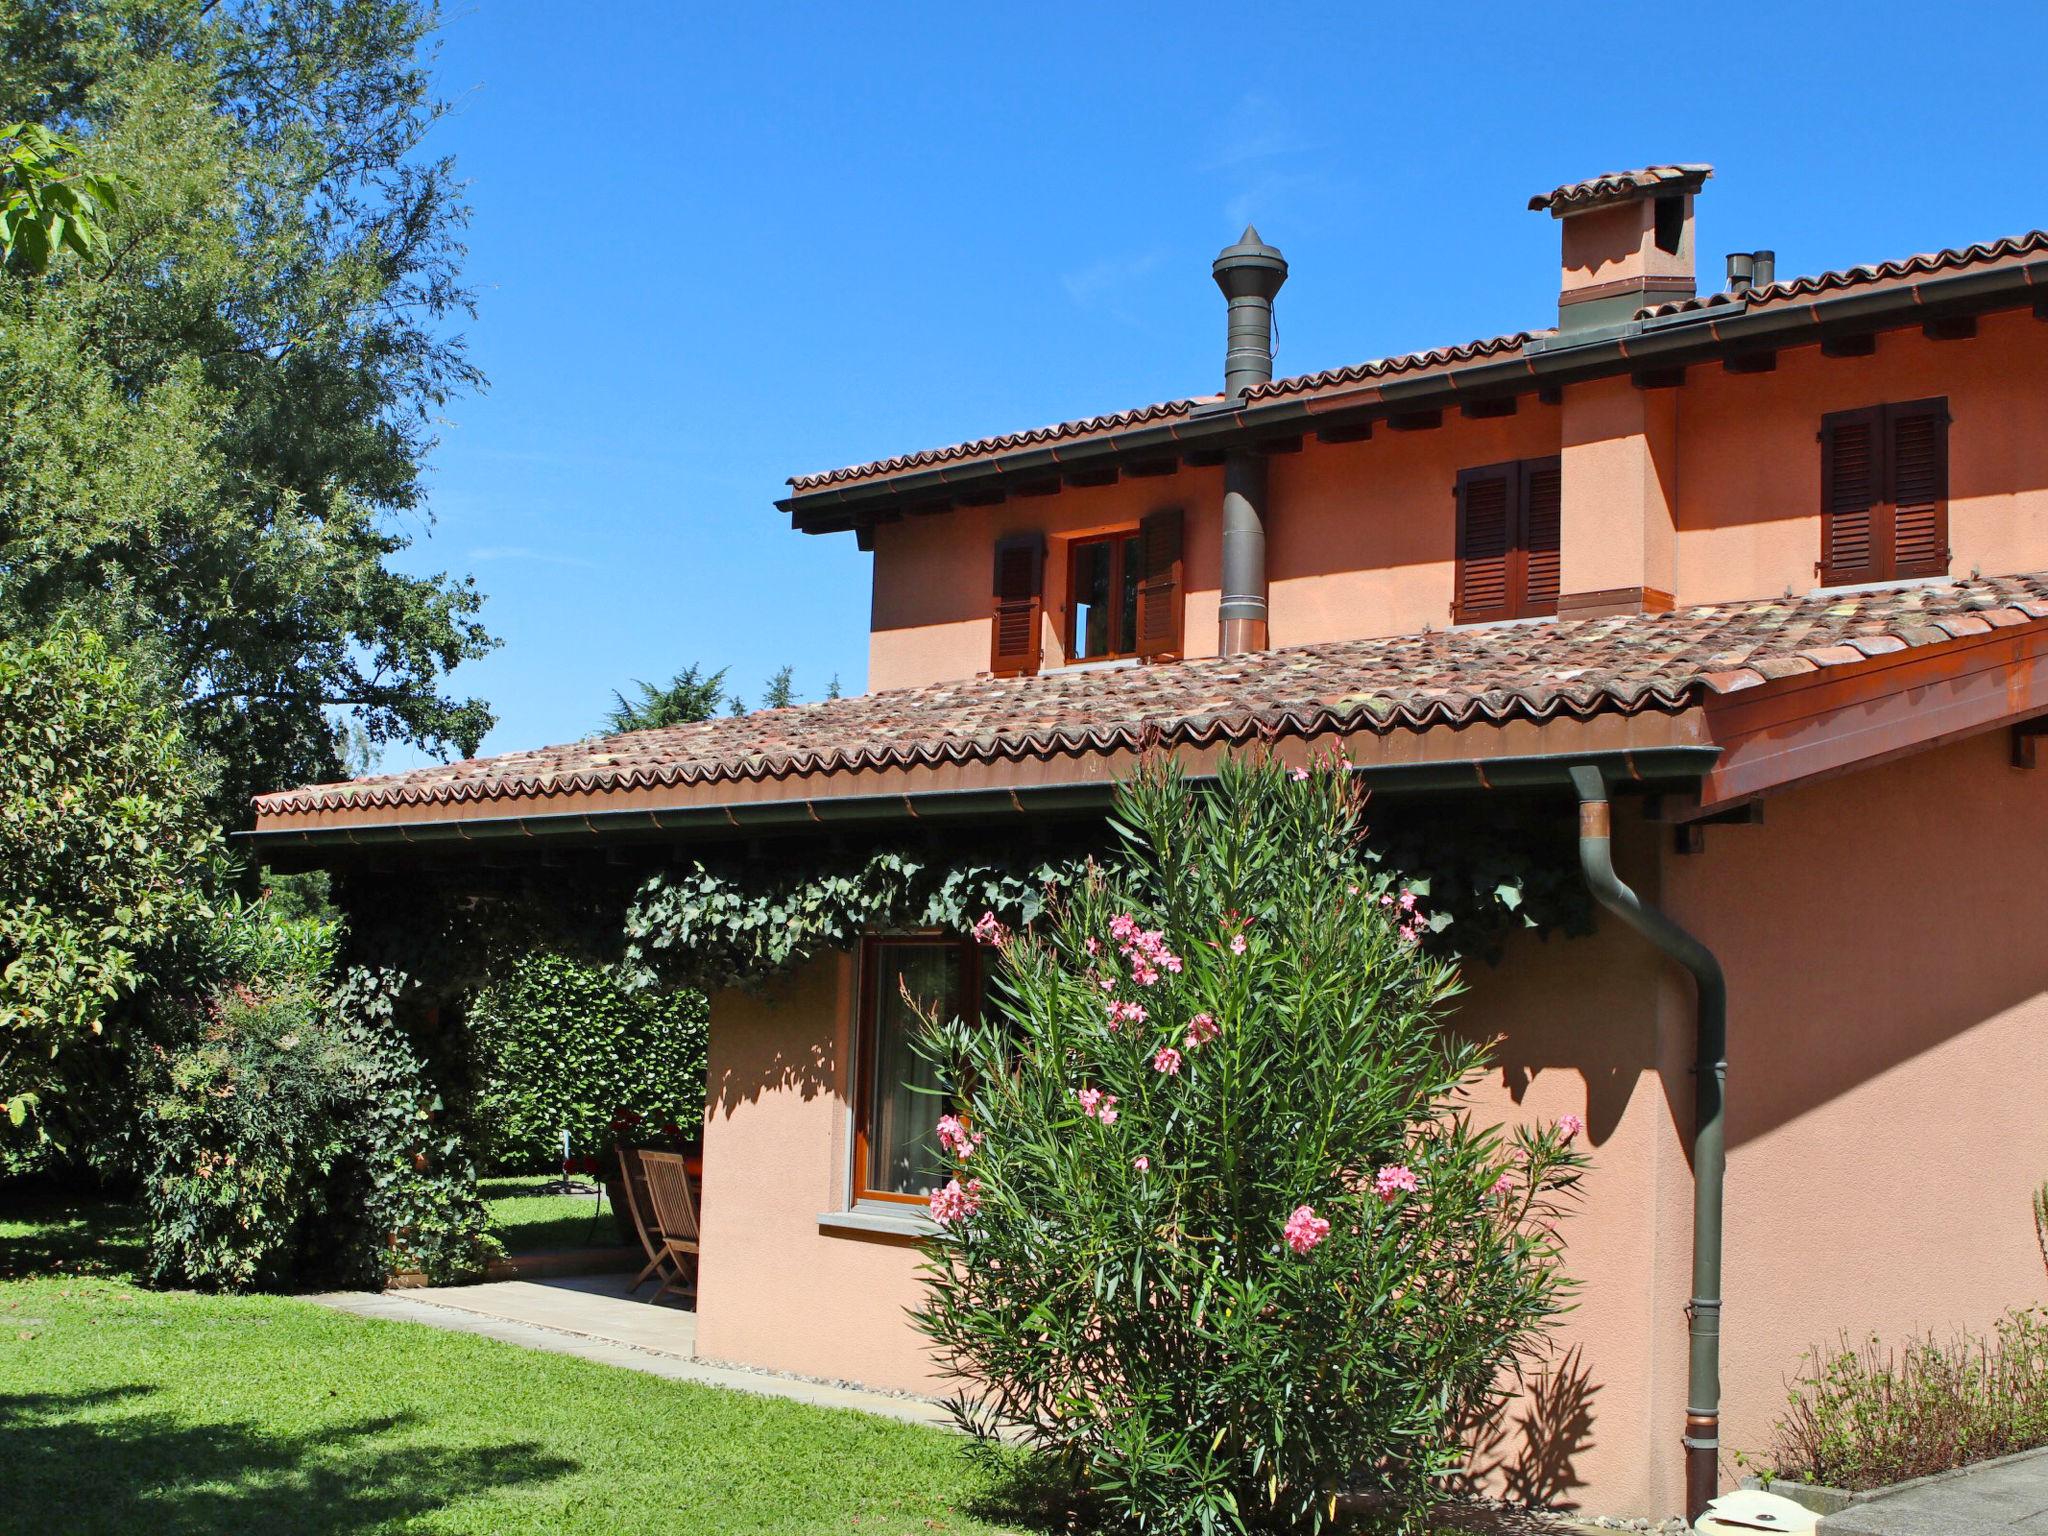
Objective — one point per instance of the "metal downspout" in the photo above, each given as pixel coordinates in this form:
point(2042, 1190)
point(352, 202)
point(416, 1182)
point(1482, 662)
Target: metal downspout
point(1709, 1137)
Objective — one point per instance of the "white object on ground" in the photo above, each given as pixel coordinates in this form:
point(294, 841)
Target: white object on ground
point(1748, 1509)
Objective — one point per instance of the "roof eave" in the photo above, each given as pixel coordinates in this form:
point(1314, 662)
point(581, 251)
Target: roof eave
point(1666, 341)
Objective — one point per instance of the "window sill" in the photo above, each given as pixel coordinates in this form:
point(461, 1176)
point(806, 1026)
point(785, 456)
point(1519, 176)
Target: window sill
point(878, 1218)
point(1897, 584)
point(1107, 664)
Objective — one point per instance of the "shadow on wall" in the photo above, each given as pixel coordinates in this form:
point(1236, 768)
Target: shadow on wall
point(778, 1038)
point(105, 1461)
point(1527, 1449)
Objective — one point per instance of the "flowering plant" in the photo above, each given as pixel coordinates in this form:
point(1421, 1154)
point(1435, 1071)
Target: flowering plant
point(1224, 1239)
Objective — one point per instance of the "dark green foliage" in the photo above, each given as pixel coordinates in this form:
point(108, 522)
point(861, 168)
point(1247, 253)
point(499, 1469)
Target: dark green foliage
point(780, 692)
point(288, 1133)
point(1867, 1417)
point(1114, 1275)
point(689, 696)
point(107, 862)
point(215, 438)
point(47, 204)
point(559, 1044)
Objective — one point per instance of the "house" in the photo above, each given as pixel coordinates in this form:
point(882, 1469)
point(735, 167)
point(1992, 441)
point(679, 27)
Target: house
point(1752, 582)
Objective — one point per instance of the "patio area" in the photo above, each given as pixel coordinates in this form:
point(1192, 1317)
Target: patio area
point(595, 1317)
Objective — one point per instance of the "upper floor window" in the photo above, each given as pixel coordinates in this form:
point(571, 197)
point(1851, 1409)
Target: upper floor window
point(897, 1097)
point(1884, 493)
point(1508, 541)
point(1124, 596)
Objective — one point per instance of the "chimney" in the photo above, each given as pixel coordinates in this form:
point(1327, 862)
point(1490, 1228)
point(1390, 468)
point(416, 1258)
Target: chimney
point(1627, 243)
point(1250, 274)
point(1751, 269)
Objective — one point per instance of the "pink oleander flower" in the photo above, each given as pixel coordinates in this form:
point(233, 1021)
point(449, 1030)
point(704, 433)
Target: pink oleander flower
point(1143, 973)
point(1297, 774)
point(956, 1202)
point(1304, 1229)
point(1237, 944)
point(1407, 899)
point(1142, 1163)
point(1107, 1114)
point(1123, 927)
point(1504, 1186)
point(956, 1138)
point(1202, 1028)
point(1569, 1126)
point(988, 929)
point(1395, 1180)
point(1089, 1099)
point(1167, 1061)
point(1121, 1012)
point(1092, 945)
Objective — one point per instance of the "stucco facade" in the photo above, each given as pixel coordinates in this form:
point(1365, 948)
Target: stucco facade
point(1887, 1085)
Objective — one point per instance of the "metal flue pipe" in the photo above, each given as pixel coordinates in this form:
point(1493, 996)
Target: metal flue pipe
point(1250, 274)
point(1709, 1136)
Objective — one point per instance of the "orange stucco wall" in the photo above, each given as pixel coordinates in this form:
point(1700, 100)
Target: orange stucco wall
point(1888, 1115)
point(1709, 491)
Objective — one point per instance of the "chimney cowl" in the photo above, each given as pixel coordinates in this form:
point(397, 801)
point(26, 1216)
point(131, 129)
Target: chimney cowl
point(1250, 273)
point(1741, 271)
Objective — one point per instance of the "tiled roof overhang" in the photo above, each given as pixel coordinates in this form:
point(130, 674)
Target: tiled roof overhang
point(1967, 281)
point(1650, 694)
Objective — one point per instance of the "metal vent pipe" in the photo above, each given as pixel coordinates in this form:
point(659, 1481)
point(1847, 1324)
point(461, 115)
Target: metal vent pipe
point(1250, 274)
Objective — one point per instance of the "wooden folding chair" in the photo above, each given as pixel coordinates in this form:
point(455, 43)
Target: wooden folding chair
point(640, 1206)
point(675, 1220)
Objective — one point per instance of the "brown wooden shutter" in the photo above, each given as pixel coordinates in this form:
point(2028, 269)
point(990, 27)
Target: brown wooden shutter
point(1916, 463)
point(1487, 564)
point(1542, 534)
point(1015, 645)
point(1855, 533)
point(1160, 586)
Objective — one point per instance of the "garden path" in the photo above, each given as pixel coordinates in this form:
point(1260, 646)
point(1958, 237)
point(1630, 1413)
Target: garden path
point(2008, 1497)
point(593, 1317)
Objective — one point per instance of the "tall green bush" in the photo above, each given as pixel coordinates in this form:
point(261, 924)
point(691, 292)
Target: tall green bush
point(559, 1044)
point(107, 860)
point(1222, 1238)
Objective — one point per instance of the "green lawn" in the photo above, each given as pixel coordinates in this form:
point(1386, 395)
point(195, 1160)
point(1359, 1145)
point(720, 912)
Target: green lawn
point(124, 1410)
point(527, 1217)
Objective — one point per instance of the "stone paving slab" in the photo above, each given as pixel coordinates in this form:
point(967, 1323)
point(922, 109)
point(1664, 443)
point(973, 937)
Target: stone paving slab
point(589, 1317)
point(2008, 1497)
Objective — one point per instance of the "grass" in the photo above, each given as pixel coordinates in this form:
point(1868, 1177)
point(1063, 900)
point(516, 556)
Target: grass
point(528, 1216)
point(127, 1409)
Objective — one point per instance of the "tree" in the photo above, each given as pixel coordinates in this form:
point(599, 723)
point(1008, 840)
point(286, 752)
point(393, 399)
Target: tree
point(107, 858)
point(46, 205)
point(216, 448)
point(689, 696)
point(781, 690)
point(1219, 1236)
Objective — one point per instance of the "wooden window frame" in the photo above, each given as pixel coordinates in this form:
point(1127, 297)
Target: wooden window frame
point(1884, 564)
point(1517, 475)
point(1118, 540)
point(867, 1036)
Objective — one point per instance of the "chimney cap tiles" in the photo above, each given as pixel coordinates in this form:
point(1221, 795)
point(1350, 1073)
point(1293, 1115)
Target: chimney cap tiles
point(1620, 187)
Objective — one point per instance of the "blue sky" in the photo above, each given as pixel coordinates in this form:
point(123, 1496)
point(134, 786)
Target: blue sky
point(715, 246)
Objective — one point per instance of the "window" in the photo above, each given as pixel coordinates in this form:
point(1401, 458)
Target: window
point(1508, 541)
point(1102, 601)
point(1884, 493)
point(897, 1103)
point(1124, 596)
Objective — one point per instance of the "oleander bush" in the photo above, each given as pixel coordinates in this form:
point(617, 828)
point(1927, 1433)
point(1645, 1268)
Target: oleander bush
point(1864, 1416)
point(560, 1044)
point(1222, 1238)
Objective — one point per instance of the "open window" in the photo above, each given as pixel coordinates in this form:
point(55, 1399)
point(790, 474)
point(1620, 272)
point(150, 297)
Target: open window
point(1509, 547)
point(1884, 493)
point(897, 1099)
point(1125, 592)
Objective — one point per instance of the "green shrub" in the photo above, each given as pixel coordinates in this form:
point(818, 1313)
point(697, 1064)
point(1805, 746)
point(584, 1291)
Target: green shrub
point(1870, 1416)
point(106, 860)
point(560, 1044)
point(1221, 1239)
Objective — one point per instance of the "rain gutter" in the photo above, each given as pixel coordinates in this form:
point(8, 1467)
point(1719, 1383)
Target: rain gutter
point(1661, 767)
point(1702, 1438)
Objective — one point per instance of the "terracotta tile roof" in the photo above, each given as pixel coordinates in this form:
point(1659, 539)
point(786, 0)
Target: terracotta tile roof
point(1518, 671)
point(1954, 259)
point(1619, 186)
point(1387, 367)
point(981, 446)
